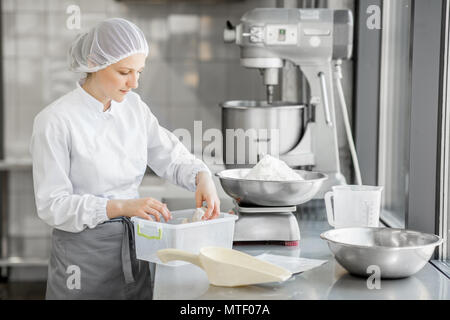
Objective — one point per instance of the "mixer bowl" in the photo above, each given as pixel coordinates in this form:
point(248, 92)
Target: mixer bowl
point(270, 193)
point(398, 253)
point(260, 124)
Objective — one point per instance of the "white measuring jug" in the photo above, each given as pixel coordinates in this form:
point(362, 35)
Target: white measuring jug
point(353, 206)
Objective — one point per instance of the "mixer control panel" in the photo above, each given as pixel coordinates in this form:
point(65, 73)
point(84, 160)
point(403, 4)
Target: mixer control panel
point(281, 34)
point(256, 34)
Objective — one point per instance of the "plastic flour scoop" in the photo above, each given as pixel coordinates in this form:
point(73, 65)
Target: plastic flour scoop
point(227, 267)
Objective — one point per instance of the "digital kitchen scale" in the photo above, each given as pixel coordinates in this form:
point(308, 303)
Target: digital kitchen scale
point(268, 224)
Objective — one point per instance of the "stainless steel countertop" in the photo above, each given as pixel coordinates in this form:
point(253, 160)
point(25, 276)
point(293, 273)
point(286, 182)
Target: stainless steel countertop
point(329, 281)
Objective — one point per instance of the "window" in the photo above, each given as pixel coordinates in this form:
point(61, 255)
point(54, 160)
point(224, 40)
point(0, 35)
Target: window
point(395, 110)
point(403, 81)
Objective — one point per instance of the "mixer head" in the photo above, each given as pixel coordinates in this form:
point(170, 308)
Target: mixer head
point(269, 36)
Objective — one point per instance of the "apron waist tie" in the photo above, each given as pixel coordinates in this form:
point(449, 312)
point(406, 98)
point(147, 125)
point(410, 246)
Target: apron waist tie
point(129, 261)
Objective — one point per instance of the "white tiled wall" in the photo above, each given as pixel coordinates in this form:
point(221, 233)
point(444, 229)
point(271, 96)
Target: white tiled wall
point(188, 72)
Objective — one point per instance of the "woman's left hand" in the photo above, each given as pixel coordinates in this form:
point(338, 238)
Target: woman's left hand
point(206, 191)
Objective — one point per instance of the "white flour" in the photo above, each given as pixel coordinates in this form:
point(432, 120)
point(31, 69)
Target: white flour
point(271, 168)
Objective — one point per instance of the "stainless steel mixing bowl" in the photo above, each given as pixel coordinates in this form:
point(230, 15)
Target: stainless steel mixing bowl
point(398, 253)
point(270, 193)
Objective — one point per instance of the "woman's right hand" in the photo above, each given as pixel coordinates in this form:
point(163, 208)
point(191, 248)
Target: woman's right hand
point(142, 207)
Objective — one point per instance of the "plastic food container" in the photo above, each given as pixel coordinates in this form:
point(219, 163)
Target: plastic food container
point(151, 236)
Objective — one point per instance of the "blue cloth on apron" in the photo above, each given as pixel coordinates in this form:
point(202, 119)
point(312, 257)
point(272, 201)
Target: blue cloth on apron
point(98, 263)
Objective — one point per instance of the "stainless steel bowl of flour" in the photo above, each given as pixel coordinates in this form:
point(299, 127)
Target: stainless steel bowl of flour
point(251, 192)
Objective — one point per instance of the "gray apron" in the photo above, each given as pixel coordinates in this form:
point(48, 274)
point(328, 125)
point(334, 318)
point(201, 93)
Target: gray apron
point(98, 263)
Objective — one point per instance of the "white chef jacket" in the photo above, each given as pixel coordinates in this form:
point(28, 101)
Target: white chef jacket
point(82, 157)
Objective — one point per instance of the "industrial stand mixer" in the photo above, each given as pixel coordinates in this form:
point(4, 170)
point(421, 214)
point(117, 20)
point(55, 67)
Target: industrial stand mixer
point(304, 136)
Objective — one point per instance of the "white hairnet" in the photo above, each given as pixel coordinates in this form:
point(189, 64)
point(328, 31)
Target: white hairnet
point(107, 43)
